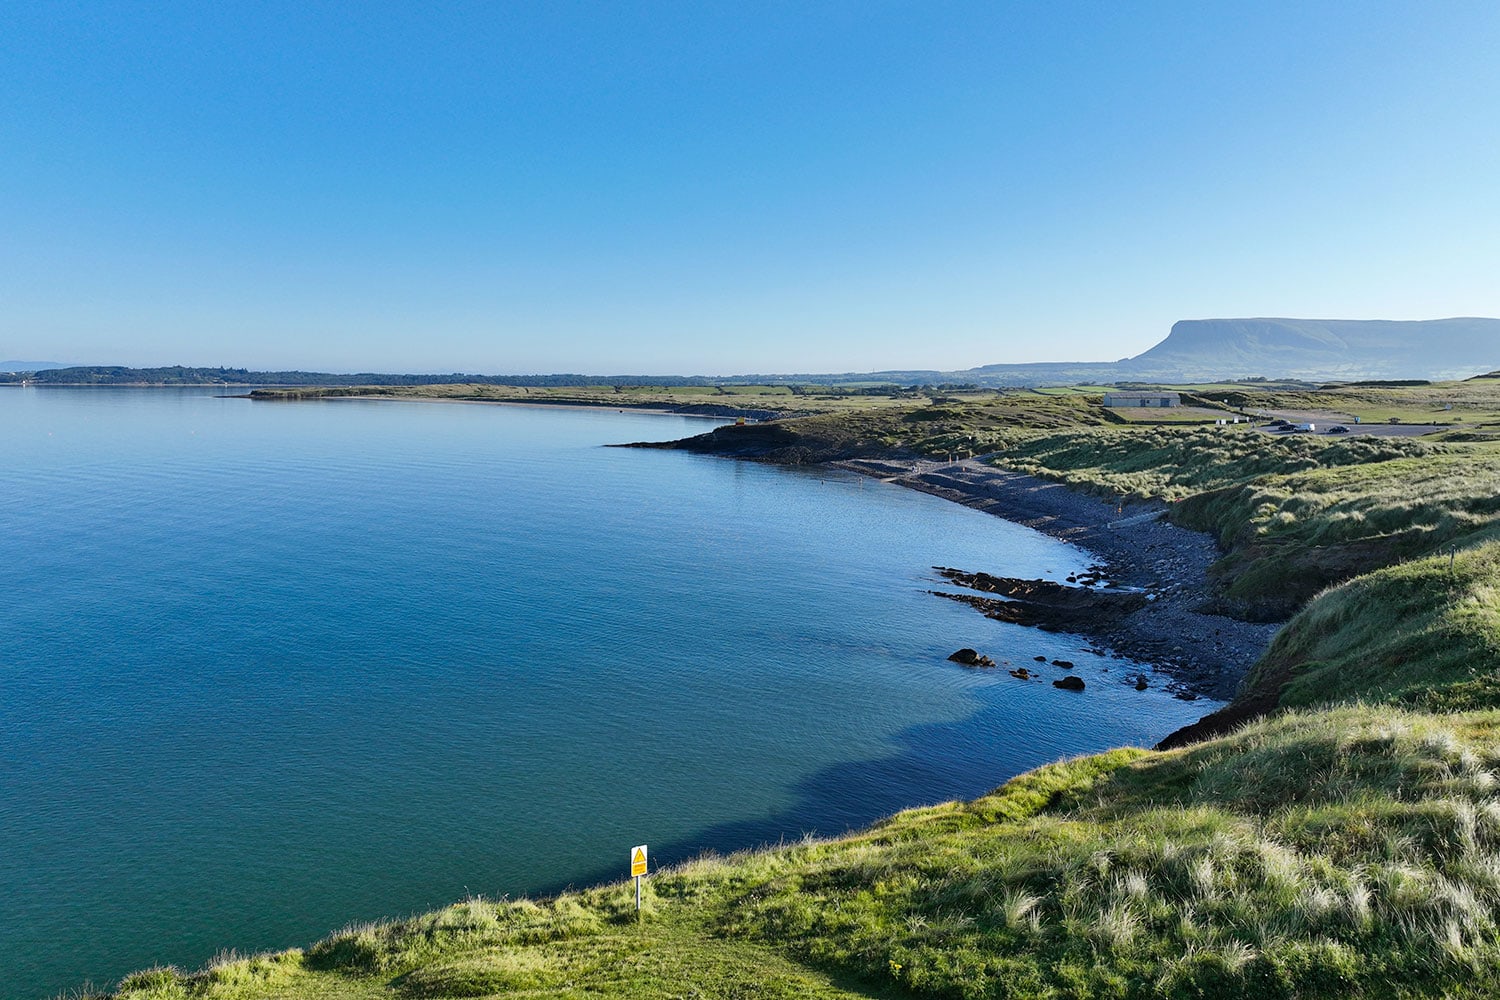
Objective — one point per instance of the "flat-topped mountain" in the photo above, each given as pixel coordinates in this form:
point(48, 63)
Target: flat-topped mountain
point(1326, 348)
point(1313, 349)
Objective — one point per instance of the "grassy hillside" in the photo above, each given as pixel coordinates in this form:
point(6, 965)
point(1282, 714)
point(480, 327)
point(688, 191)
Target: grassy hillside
point(1468, 402)
point(1425, 633)
point(1294, 514)
point(944, 427)
point(1174, 463)
point(1290, 535)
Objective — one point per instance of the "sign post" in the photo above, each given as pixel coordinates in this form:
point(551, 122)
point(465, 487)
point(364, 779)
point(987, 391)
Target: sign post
point(637, 869)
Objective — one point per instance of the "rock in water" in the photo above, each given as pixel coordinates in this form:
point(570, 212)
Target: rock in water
point(1065, 664)
point(1069, 683)
point(971, 658)
point(1055, 607)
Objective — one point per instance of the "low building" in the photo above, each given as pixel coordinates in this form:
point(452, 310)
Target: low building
point(1142, 399)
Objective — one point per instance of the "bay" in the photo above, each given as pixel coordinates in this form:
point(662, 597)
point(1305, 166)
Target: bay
point(270, 668)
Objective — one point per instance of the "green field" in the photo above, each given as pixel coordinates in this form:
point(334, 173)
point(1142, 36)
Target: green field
point(1294, 514)
point(1473, 401)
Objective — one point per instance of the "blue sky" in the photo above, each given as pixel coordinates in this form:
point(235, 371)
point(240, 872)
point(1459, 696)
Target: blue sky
point(729, 187)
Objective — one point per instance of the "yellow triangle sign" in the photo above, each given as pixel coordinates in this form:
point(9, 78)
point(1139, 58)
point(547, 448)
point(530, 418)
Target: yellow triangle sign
point(638, 860)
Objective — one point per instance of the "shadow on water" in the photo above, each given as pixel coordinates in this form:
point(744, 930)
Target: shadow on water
point(936, 762)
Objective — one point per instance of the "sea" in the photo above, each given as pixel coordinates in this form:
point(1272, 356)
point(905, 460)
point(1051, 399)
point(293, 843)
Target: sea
point(271, 668)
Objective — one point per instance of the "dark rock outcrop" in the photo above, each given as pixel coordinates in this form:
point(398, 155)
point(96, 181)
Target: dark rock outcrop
point(1042, 604)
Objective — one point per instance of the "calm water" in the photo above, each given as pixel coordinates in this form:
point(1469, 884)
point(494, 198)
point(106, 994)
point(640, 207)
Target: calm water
point(266, 669)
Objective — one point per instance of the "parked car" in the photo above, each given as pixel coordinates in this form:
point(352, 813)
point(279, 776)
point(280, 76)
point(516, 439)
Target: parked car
point(1338, 429)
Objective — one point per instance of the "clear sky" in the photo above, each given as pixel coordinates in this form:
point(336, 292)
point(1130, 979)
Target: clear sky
point(719, 188)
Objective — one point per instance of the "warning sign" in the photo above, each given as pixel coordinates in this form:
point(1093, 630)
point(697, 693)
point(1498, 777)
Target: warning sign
point(638, 860)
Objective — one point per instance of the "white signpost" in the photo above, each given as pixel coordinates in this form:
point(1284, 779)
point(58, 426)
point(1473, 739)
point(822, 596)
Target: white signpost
point(637, 869)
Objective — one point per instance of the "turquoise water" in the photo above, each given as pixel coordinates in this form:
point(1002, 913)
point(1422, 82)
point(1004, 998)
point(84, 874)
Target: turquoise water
point(266, 669)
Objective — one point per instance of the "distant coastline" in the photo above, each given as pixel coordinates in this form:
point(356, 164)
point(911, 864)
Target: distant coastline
point(645, 408)
point(708, 410)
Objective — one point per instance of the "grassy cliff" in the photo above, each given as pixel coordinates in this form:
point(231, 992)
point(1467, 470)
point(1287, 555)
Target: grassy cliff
point(1349, 852)
point(1424, 633)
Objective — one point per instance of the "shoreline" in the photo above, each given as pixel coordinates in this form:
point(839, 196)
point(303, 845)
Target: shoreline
point(539, 404)
point(1200, 652)
point(706, 411)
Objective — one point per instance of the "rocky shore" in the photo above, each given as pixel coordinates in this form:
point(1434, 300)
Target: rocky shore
point(1139, 553)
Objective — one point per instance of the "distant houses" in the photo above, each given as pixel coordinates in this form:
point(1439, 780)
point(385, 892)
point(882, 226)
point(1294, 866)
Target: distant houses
point(1142, 399)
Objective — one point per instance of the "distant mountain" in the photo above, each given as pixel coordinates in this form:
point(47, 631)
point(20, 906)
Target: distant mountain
point(1327, 348)
point(1198, 350)
point(29, 366)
